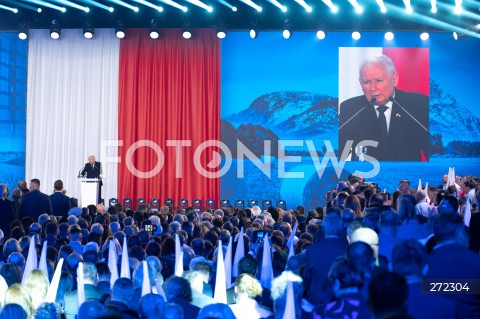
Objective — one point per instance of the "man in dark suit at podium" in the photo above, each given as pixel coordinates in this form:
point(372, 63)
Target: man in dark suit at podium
point(60, 202)
point(93, 169)
point(34, 203)
point(396, 119)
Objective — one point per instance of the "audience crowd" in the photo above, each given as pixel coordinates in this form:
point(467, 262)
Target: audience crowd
point(365, 254)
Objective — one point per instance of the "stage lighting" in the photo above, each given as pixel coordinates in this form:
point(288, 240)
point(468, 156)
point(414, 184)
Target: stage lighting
point(127, 203)
point(120, 32)
point(221, 34)
point(252, 203)
point(253, 33)
point(424, 36)
point(187, 34)
point(141, 201)
point(88, 33)
point(23, 35)
point(183, 203)
point(224, 203)
point(266, 203)
point(55, 31)
point(356, 35)
point(168, 202)
point(282, 204)
point(389, 36)
point(112, 202)
point(154, 204)
point(286, 34)
point(154, 33)
point(240, 203)
point(210, 204)
point(197, 204)
point(321, 35)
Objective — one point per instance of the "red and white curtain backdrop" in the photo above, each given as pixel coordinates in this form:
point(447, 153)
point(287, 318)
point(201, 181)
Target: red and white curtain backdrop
point(86, 95)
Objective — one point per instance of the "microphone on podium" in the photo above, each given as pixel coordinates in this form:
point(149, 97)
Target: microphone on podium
point(416, 121)
point(371, 102)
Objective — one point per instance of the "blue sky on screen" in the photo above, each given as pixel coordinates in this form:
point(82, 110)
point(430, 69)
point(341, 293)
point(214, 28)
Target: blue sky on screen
point(269, 63)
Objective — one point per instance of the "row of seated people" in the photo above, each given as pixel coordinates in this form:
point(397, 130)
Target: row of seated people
point(363, 255)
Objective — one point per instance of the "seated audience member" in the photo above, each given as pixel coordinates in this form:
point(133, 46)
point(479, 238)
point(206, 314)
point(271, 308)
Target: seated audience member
point(11, 273)
point(421, 206)
point(122, 291)
point(13, 311)
point(91, 291)
point(205, 269)
point(452, 260)
point(17, 294)
point(246, 307)
point(279, 294)
point(361, 255)
point(348, 302)
point(388, 226)
point(409, 259)
point(177, 290)
point(91, 309)
point(64, 286)
point(388, 294)
point(103, 273)
point(37, 285)
point(17, 259)
point(412, 225)
point(171, 310)
point(137, 283)
point(75, 238)
point(195, 279)
point(449, 204)
point(216, 311)
point(151, 306)
point(370, 237)
point(48, 311)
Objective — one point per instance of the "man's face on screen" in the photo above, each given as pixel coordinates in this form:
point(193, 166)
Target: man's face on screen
point(377, 83)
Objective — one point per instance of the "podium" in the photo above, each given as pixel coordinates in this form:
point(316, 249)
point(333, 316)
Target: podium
point(89, 191)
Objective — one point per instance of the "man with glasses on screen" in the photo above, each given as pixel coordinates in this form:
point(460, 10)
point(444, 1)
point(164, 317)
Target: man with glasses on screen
point(396, 119)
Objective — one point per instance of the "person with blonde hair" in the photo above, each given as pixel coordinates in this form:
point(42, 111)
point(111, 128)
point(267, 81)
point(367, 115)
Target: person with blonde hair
point(37, 285)
point(247, 288)
point(17, 294)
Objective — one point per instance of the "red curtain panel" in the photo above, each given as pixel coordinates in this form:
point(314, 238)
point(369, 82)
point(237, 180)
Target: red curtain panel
point(169, 90)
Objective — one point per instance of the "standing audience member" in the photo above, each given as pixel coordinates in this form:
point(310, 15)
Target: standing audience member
point(60, 202)
point(7, 211)
point(320, 257)
point(409, 259)
point(452, 260)
point(35, 203)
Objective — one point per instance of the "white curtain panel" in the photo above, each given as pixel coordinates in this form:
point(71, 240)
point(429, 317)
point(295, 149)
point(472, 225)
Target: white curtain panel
point(72, 106)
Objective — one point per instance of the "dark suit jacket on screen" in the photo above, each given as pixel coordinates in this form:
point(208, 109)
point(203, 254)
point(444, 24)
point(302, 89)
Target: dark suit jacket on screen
point(406, 138)
point(60, 204)
point(34, 204)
